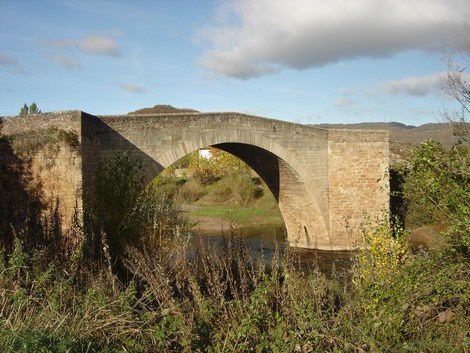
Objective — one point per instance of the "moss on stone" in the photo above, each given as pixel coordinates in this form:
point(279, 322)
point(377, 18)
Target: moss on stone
point(29, 143)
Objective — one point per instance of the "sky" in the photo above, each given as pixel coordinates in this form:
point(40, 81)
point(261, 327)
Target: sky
point(306, 61)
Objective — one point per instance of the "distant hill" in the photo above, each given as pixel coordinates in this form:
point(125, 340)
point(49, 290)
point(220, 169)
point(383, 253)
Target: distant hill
point(163, 109)
point(404, 137)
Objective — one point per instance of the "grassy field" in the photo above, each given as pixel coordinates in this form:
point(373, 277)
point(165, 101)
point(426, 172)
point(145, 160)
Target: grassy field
point(211, 215)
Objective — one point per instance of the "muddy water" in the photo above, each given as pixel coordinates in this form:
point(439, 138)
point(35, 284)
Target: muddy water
point(262, 242)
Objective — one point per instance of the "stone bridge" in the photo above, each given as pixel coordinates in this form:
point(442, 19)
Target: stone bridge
point(328, 183)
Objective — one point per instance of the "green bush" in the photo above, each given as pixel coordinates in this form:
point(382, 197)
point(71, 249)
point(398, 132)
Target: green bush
point(238, 189)
point(205, 171)
point(181, 181)
point(129, 213)
point(437, 191)
point(243, 189)
point(166, 185)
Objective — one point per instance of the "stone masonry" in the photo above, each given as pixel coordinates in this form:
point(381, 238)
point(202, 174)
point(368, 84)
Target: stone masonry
point(329, 184)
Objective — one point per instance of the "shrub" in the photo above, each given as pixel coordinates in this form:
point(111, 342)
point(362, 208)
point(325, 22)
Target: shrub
point(437, 191)
point(243, 189)
point(204, 170)
point(221, 164)
point(165, 186)
point(258, 192)
point(257, 180)
point(223, 189)
point(185, 299)
point(129, 214)
point(238, 189)
point(191, 191)
point(181, 181)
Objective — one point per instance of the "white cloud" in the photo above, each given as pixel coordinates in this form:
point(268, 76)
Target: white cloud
point(418, 86)
point(343, 102)
point(234, 65)
point(133, 88)
point(101, 45)
point(7, 60)
point(90, 44)
point(67, 62)
point(256, 37)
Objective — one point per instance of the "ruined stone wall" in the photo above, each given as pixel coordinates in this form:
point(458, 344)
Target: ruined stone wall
point(67, 121)
point(358, 189)
point(41, 167)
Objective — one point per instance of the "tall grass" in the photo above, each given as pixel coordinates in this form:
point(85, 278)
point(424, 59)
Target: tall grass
point(181, 299)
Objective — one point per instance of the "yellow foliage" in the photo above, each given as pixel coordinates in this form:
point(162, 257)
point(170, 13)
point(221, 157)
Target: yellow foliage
point(384, 255)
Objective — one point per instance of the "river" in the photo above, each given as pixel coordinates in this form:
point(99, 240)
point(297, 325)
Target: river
point(263, 241)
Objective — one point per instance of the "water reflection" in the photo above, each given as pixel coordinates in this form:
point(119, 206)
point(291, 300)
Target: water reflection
point(262, 242)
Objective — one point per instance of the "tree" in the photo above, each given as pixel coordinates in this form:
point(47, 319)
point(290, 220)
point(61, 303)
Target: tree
point(24, 110)
point(458, 88)
point(33, 109)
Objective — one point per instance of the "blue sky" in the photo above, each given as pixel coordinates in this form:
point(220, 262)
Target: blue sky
point(306, 61)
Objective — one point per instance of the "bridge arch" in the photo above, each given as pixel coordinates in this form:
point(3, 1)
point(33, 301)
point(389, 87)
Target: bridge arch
point(279, 168)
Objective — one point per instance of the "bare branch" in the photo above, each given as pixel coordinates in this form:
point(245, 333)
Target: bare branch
point(457, 86)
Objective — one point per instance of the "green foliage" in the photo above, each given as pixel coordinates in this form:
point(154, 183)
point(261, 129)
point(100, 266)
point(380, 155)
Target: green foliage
point(225, 302)
point(185, 161)
point(238, 188)
point(221, 164)
point(437, 191)
point(412, 302)
point(231, 178)
point(191, 191)
point(32, 109)
point(204, 170)
point(166, 185)
point(119, 184)
point(24, 110)
point(127, 212)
